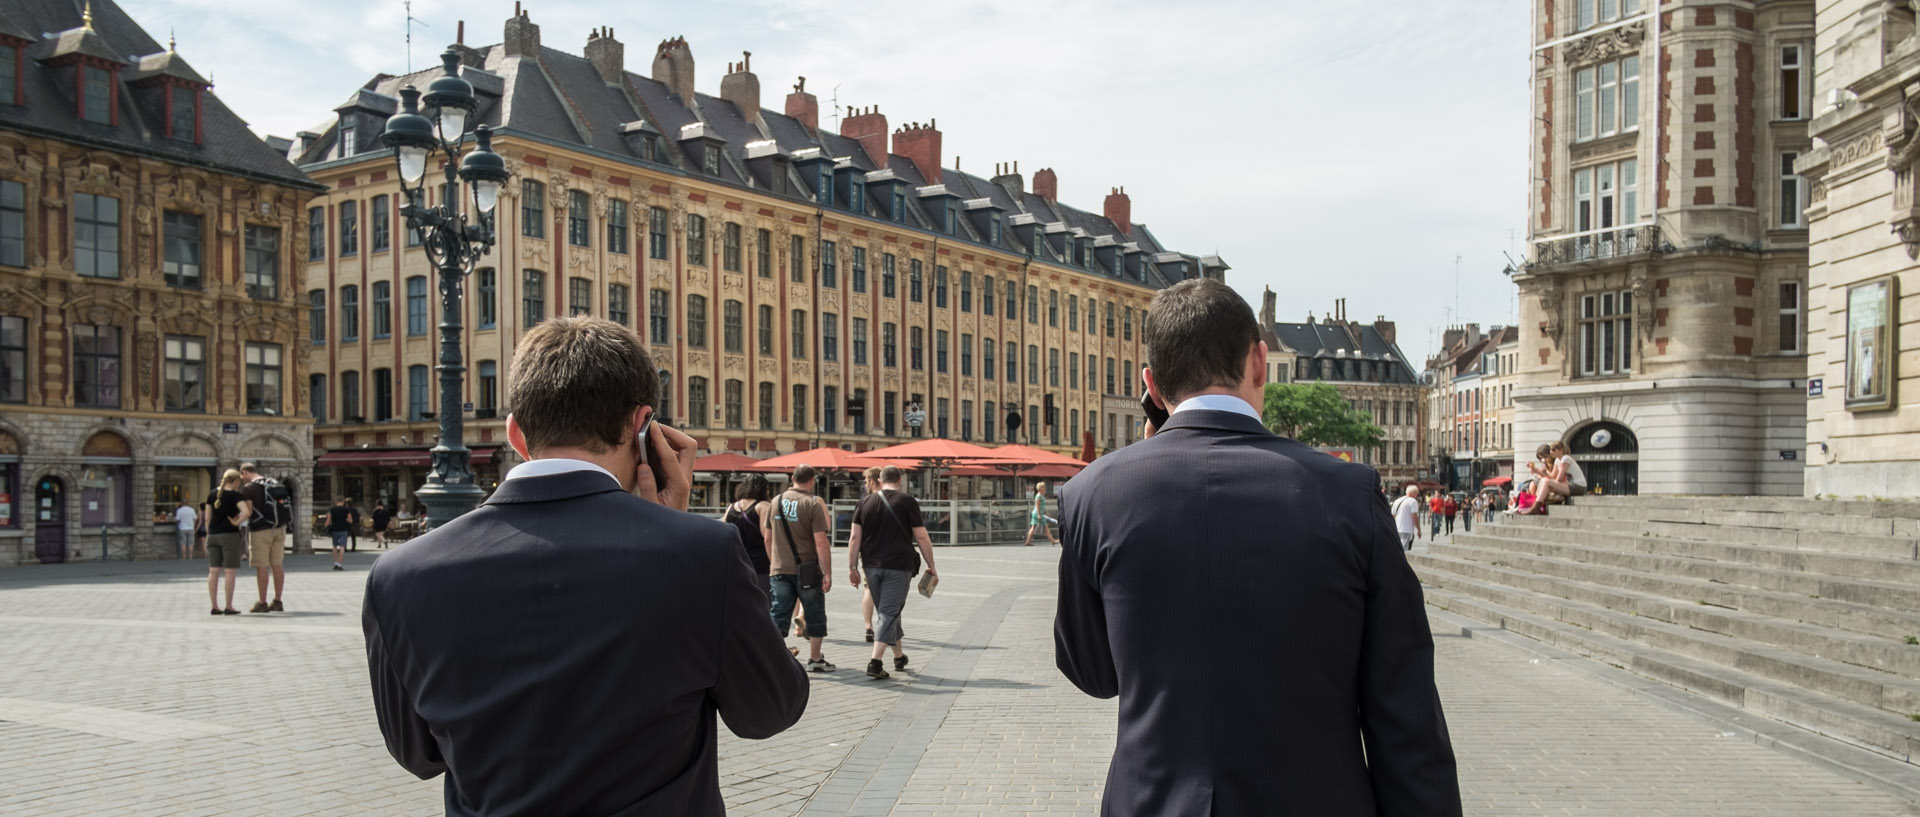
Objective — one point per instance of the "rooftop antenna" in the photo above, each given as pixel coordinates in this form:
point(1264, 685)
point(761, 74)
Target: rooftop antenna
point(835, 102)
point(410, 21)
point(1456, 283)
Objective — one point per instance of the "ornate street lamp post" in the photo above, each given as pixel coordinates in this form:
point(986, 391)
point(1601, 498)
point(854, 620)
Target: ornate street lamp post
point(453, 245)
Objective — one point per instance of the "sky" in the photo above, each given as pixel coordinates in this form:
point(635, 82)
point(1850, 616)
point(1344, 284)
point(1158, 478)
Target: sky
point(1363, 151)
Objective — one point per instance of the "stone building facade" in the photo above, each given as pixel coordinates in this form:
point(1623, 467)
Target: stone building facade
point(797, 286)
point(1667, 234)
point(1364, 363)
point(147, 290)
point(1863, 288)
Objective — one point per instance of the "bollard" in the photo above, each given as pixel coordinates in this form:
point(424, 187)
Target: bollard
point(103, 543)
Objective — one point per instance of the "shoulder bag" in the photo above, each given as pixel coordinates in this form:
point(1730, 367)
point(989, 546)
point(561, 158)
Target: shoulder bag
point(913, 547)
point(809, 571)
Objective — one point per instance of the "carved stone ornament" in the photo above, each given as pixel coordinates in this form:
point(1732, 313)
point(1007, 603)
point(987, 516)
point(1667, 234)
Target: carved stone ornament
point(1902, 158)
point(1643, 303)
point(1606, 44)
point(799, 369)
point(699, 360)
point(733, 362)
point(769, 367)
point(1550, 311)
point(830, 371)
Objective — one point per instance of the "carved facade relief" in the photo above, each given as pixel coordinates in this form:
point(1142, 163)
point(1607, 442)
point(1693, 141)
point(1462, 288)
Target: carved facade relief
point(1605, 45)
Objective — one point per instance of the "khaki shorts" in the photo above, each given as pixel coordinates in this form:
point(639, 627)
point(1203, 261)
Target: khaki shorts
point(267, 548)
point(223, 550)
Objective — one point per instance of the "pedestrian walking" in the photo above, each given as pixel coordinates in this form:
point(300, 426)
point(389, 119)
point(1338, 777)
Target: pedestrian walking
point(340, 522)
point(1467, 510)
point(748, 514)
point(802, 561)
point(267, 534)
point(1037, 517)
point(228, 513)
point(353, 532)
point(1435, 507)
point(1450, 509)
point(564, 648)
point(886, 528)
point(381, 519)
point(869, 485)
point(1227, 704)
point(1406, 512)
point(186, 521)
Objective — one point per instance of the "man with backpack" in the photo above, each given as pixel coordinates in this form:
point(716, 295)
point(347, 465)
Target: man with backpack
point(267, 533)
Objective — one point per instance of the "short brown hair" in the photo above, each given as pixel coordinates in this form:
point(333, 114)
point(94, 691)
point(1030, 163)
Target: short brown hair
point(576, 381)
point(890, 474)
point(872, 473)
point(1545, 452)
point(1197, 334)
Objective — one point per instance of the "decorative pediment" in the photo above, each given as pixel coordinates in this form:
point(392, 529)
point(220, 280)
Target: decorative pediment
point(1605, 45)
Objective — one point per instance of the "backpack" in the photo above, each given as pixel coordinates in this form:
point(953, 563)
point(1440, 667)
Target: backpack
point(273, 508)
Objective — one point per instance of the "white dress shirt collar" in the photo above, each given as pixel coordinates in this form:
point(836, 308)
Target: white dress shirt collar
point(1217, 402)
point(556, 465)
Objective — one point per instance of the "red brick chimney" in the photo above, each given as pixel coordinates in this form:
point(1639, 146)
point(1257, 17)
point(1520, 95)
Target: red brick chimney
point(673, 67)
point(868, 126)
point(1385, 328)
point(741, 87)
point(804, 106)
point(1120, 210)
point(921, 143)
point(1046, 185)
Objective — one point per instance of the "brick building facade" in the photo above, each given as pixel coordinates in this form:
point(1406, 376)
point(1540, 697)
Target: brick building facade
point(784, 276)
point(147, 312)
point(1667, 233)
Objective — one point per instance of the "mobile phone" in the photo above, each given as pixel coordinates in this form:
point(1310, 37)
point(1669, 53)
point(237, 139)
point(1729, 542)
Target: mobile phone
point(653, 463)
point(1155, 414)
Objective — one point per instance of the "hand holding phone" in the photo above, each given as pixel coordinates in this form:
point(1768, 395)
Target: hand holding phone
point(1157, 417)
point(665, 472)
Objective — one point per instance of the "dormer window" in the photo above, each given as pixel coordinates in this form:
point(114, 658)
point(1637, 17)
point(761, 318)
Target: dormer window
point(857, 193)
point(993, 229)
point(712, 161)
point(899, 203)
point(950, 221)
point(649, 148)
point(183, 114)
point(348, 137)
point(96, 94)
point(824, 185)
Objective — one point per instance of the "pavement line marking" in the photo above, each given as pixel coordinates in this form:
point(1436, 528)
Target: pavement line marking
point(893, 748)
point(120, 724)
point(253, 626)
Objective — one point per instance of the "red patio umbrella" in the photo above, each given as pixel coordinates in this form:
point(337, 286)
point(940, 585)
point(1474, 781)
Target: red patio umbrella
point(830, 459)
point(724, 463)
point(940, 449)
point(1038, 456)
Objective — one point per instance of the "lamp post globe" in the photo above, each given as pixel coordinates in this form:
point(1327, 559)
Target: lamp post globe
point(454, 238)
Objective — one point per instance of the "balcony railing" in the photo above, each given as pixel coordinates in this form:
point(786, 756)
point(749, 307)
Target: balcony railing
point(1597, 246)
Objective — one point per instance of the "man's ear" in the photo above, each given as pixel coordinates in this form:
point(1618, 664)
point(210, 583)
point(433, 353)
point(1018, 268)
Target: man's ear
point(517, 439)
point(1257, 364)
point(1153, 389)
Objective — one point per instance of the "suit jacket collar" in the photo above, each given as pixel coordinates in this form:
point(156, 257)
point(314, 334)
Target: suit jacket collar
point(551, 487)
point(1215, 420)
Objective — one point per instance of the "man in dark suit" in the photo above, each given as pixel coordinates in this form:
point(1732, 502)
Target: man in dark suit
point(563, 648)
point(1246, 598)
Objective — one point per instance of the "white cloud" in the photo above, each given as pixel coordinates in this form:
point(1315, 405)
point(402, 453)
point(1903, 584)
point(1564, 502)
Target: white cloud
point(1327, 150)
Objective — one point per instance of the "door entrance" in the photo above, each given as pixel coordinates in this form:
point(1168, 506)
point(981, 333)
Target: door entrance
point(50, 520)
point(1609, 453)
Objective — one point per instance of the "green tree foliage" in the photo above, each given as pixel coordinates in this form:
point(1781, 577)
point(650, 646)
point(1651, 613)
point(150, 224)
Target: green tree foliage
point(1316, 414)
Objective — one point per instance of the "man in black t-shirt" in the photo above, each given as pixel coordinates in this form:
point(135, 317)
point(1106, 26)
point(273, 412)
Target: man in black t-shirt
point(886, 528)
point(341, 520)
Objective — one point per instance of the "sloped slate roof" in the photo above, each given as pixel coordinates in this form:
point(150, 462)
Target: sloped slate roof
point(1349, 341)
point(562, 98)
point(48, 107)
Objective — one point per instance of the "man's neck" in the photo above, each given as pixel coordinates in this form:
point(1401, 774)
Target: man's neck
point(807, 489)
point(609, 460)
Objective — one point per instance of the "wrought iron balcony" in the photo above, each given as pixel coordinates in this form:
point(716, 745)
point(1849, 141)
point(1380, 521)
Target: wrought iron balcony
point(1600, 246)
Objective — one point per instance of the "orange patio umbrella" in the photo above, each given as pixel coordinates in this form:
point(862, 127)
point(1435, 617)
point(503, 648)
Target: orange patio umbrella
point(827, 459)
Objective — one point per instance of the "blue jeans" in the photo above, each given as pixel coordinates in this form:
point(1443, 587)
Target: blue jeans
point(786, 590)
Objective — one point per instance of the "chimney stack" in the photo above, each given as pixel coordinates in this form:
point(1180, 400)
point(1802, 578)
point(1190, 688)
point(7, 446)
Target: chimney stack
point(1120, 210)
point(804, 106)
point(868, 126)
point(1009, 178)
point(1385, 328)
point(469, 56)
point(673, 67)
point(1268, 301)
point(608, 56)
point(742, 88)
point(522, 36)
point(1046, 185)
point(921, 143)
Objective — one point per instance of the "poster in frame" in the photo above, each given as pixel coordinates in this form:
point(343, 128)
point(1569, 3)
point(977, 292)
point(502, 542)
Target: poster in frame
point(1871, 327)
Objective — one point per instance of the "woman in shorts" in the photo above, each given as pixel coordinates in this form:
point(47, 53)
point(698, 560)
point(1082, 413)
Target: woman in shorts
point(226, 518)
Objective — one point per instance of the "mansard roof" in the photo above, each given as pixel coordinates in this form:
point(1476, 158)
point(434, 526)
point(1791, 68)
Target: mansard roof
point(48, 108)
point(561, 98)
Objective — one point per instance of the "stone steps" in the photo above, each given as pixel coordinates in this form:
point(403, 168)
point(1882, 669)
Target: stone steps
point(1772, 558)
point(1799, 610)
point(1879, 547)
point(1877, 608)
point(1766, 617)
point(1859, 725)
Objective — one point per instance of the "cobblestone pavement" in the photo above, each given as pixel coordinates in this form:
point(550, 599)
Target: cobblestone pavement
point(119, 695)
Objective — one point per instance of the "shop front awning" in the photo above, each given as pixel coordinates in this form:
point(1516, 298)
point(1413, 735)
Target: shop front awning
point(393, 457)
